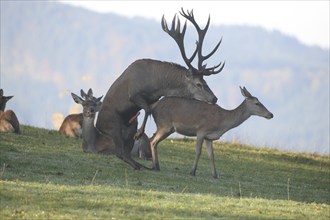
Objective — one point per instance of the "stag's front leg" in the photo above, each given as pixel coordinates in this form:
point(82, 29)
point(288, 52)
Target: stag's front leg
point(141, 102)
point(199, 144)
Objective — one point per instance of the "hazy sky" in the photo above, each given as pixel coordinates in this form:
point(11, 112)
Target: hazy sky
point(306, 20)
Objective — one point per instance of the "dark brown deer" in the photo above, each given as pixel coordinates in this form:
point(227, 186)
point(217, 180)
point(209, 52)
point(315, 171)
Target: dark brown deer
point(8, 119)
point(145, 81)
point(204, 121)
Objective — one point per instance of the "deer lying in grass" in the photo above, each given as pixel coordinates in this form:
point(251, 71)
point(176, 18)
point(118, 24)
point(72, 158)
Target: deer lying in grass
point(195, 118)
point(72, 125)
point(90, 135)
point(8, 119)
point(141, 148)
point(90, 105)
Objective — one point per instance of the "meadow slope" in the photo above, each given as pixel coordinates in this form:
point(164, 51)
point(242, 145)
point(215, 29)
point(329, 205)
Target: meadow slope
point(46, 176)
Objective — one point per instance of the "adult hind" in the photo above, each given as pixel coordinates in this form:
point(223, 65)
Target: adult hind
point(8, 119)
point(205, 121)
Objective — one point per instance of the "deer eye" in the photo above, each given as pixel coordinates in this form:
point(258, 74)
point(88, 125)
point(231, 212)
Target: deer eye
point(199, 85)
point(257, 103)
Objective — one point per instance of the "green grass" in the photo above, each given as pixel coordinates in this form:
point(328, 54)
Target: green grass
point(46, 176)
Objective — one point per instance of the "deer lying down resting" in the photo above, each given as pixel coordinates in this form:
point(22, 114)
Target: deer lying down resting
point(141, 148)
point(90, 134)
point(72, 125)
point(8, 119)
point(206, 122)
point(90, 105)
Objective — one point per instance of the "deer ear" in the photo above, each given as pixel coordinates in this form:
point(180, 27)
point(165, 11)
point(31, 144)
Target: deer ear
point(1, 92)
point(77, 99)
point(83, 94)
point(245, 92)
point(90, 93)
point(242, 91)
point(8, 97)
point(99, 99)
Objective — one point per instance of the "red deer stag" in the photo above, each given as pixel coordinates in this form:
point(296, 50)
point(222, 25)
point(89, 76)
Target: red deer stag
point(8, 119)
point(145, 81)
point(206, 122)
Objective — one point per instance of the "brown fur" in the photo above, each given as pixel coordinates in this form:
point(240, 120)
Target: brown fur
point(199, 119)
point(9, 122)
point(8, 119)
point(72, 125)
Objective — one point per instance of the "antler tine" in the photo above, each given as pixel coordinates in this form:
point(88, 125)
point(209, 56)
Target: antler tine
point(178, 36)
point(201, 35)
point(213, 51)
point(190, 16)
point(212, 70)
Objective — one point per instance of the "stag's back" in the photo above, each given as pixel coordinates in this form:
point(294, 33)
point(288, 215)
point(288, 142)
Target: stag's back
point(144, 76)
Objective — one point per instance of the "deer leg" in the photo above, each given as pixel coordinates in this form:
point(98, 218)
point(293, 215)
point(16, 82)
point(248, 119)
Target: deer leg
point(157, 137)
point(140, 131)
point(199, 144)
point(133, 163)
point(119, 147)
point(209, 147)
point(141, 102)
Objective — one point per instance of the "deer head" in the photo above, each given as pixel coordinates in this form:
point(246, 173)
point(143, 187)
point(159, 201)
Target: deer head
point(91, 105)
point(3, 100)
point(254, 105)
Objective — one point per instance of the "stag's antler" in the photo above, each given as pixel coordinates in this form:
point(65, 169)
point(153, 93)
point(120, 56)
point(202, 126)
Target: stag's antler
point(178, 36)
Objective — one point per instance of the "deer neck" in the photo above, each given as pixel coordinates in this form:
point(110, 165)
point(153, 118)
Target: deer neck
point(173, 84)
point(236, 116)
point(88, 133)
point(3, 106)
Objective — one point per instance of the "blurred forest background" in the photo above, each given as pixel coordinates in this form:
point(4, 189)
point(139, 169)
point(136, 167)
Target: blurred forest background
point(50, 49)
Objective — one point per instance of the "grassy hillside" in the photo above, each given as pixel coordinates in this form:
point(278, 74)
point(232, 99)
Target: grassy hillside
point(46, 176)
